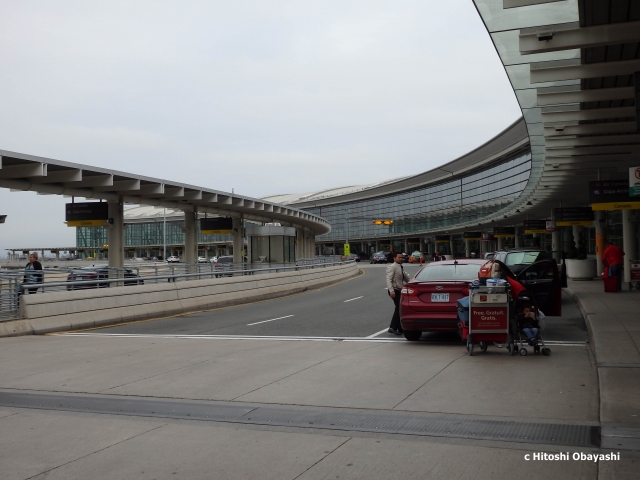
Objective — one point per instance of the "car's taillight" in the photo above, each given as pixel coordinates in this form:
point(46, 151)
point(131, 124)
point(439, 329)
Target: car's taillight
point(409, 291)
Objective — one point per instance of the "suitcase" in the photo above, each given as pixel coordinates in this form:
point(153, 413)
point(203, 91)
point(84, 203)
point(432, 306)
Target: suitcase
point(610, 284)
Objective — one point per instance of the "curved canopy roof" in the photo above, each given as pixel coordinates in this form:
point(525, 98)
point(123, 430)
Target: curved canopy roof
point(44, 175)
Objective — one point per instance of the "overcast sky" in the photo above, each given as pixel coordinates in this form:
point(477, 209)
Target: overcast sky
point(265, 97)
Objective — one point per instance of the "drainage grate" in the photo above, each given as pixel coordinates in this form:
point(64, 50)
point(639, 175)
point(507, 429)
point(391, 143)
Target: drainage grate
point(405, 423)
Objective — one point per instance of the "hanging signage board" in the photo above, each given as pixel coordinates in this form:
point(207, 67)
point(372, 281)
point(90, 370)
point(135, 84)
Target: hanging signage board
point(472, 235)
point(535, 226)
point(634, 181)
point(616, 206)
point(608, 191)
point(442, 239)
point(210, 226)
point(87, 214)
point(502, 232)
point(574, 216)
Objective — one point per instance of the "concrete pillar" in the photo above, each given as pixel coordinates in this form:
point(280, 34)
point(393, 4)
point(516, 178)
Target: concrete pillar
point(421, 245)
point(115, 234)
point(57, 255)
point(467, 248)
point(451, 244)
point(377, 246)
point(601, 238)
point(628, 243)
point(238, 239)
point(500, 243)
point(406, 247)
point(517, 241)
point(190, 238)
point(299, 244)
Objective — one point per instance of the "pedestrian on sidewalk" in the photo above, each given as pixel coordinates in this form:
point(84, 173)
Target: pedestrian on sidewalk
point(613, 259)
point(396, 278)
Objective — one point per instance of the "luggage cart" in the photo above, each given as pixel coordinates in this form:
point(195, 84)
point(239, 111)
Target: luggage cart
point(634, 272)
point(489, 317)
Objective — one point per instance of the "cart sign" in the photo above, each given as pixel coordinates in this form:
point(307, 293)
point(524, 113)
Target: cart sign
point(210, 226)
point(501, 232)
point(573, 217)
point(472, 235)
point(634, 182)
point(489, 318)
point(89, 214)
point(535, 226)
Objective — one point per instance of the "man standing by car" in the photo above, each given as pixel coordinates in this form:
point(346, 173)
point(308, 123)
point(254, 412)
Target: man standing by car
point(613, 258)
point(396, 278)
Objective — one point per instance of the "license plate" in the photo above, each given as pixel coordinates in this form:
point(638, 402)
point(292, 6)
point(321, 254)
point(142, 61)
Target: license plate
point(439, 297)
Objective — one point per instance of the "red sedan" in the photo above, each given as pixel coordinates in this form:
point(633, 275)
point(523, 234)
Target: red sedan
point(428, 301)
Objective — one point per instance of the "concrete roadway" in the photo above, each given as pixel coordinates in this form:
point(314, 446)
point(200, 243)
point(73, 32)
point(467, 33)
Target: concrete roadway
point(383, 378)
point(356, 308)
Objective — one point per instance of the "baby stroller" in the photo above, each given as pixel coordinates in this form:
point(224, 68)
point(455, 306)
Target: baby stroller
point(523, 303)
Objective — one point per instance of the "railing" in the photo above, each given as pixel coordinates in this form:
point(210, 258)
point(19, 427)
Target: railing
point(12, 284)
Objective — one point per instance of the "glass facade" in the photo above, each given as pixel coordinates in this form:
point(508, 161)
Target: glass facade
point(144, 235)
point(430, 208)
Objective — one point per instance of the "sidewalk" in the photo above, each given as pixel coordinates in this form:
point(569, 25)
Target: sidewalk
point(613, 320)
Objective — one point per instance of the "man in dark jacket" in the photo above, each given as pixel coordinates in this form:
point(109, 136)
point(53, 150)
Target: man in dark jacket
point(33, 272)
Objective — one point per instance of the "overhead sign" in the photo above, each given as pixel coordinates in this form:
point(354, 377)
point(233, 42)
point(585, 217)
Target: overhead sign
point(442, 239)
point(87, 214)
point(616, 206)
point(472, 235)
point(347, 249)
point(502, 232)
point(634, 182)
point(574, 216)
point(607, 191)
point(210, 226)
point(382, 222)
point(535, 226)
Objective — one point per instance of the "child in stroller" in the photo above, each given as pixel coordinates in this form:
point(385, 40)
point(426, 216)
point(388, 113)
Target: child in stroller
point(528, 323)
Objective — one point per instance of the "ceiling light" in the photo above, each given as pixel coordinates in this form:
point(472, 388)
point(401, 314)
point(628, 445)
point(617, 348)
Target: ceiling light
point(555, 165)
point(529, 203)
point(518, 211)
point(504, 216)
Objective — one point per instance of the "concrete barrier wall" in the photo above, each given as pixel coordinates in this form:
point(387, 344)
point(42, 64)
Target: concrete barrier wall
point(60, 311)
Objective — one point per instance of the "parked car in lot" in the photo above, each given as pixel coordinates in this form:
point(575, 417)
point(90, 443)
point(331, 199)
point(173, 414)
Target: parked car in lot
point(173, 259)
point(202, 260)
point(223, 263)
point(351, 257)
point(428, 301)
point(379, 257)
point(97, 273)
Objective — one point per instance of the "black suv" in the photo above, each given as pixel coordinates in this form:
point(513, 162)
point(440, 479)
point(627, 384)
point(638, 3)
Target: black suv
point(518, 259)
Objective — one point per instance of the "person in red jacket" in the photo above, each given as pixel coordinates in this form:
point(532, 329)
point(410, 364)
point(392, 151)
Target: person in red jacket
point(613, 259)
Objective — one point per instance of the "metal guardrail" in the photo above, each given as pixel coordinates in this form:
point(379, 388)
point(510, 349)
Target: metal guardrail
point(12, 285)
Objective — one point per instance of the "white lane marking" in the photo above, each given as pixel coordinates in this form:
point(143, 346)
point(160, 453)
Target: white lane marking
point(376, 334)
point(236, 337)
point(352, 299)
point(265, 321)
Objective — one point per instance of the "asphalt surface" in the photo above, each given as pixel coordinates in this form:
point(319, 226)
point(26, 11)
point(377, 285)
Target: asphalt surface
point(358, 307)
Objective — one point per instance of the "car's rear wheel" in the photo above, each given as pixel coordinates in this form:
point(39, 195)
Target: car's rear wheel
point(412, 335)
